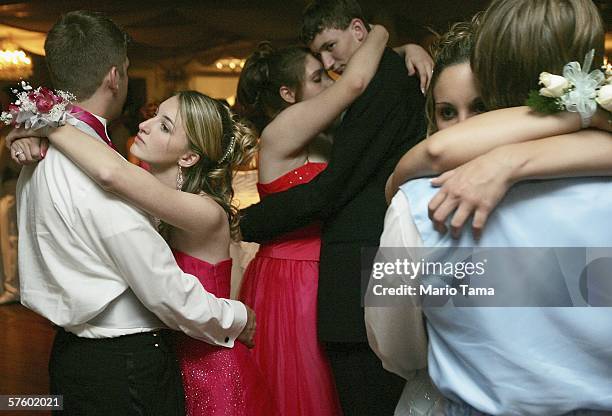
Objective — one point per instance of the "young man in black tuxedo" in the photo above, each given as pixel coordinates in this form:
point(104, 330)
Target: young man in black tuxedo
point(377, 129)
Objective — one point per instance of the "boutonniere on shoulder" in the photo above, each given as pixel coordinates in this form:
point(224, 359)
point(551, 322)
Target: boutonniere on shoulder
point(577, 90)
point(38, 108)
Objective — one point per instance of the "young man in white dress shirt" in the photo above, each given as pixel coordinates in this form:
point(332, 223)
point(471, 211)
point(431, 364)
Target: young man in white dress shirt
point(96, 267)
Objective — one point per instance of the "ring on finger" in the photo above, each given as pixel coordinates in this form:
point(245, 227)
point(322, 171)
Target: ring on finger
point(18, 153)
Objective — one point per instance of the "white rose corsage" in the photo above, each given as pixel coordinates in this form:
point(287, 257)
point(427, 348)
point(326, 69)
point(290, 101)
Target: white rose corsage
point(578, 91)
point(38, 108)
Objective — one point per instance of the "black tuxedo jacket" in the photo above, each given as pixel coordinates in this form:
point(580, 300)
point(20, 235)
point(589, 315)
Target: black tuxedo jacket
point(348, 196)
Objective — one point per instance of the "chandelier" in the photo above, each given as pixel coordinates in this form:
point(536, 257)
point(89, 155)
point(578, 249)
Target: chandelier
point(230, 64)
point(14, 64)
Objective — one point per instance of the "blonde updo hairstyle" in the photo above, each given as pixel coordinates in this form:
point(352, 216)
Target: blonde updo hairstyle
point(223, 144)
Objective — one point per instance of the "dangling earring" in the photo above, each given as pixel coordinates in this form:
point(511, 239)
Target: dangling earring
point(179, 178)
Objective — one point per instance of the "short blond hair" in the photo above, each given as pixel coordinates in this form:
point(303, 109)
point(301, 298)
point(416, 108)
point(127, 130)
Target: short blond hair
point(518, 39)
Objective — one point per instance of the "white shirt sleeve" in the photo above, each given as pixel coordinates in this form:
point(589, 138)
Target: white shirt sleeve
point(397, 333)
point(145, 261)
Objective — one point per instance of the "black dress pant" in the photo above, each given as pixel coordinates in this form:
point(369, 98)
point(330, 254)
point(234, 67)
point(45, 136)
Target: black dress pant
point(128, 375)
point(364, 386)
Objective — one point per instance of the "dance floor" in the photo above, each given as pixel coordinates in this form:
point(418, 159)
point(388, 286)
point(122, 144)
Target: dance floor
point(25, 343)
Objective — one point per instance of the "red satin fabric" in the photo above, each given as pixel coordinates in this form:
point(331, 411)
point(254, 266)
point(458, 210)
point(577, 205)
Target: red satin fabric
point(280, 284)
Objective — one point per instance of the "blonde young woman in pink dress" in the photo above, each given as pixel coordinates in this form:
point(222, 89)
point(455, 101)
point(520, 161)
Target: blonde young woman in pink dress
point(288, 95)
point(192, 145)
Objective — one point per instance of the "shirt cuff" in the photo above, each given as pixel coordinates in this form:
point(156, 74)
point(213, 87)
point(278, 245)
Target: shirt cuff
point(240, 321)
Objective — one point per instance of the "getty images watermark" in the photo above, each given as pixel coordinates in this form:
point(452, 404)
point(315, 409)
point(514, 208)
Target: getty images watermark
point(410, 269)
point(495, 276)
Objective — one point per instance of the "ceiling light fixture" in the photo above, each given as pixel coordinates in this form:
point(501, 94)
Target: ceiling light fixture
point(14, 63)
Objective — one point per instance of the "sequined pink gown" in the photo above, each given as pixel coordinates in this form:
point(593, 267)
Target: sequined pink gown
point(219, 381)
point(280, 284)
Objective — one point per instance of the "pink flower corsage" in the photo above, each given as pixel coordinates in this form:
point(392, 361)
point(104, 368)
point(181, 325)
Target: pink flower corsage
point(38, 108)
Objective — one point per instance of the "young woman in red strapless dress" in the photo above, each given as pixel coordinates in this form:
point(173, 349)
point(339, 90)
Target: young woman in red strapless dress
point(192, 145)
point(288, 95)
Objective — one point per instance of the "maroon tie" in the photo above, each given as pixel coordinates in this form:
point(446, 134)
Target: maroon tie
point(91, 120)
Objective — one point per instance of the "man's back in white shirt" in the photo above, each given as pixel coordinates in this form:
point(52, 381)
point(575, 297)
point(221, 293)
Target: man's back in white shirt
point(95, 265)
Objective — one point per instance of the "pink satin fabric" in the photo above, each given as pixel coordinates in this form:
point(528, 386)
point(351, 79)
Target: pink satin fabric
point(91, 120)
point(219, 381)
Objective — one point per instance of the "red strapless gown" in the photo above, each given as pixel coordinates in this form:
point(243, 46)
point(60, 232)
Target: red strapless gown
point(219, 381)
point(280, 284)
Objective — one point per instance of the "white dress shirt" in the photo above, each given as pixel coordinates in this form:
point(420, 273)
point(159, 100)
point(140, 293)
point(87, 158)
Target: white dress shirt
point(397, 333)
point(94, 265)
